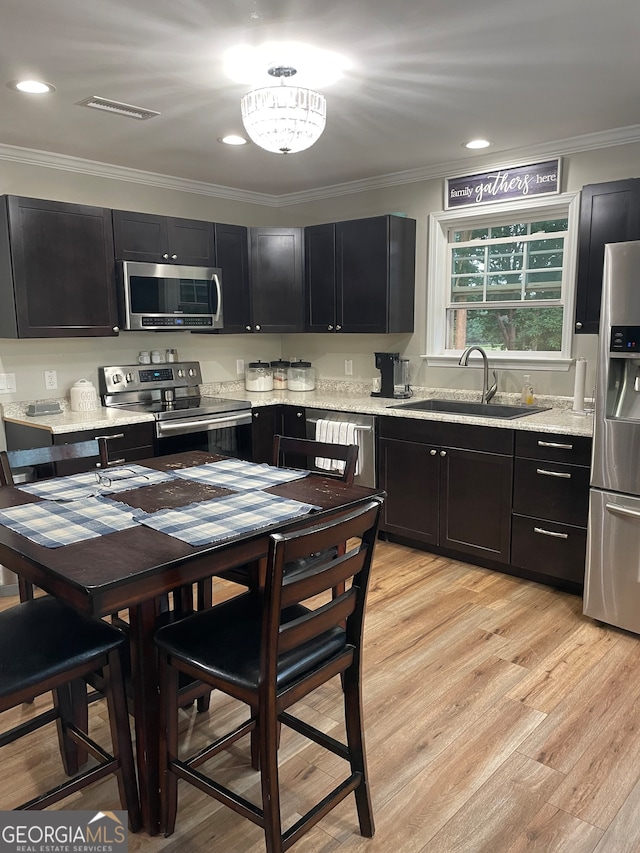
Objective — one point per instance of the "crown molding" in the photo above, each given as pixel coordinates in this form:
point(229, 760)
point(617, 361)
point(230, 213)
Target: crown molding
point(51, 160)
point(557, 148)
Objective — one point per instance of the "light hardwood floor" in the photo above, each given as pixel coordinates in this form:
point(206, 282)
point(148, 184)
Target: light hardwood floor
point(498, 720)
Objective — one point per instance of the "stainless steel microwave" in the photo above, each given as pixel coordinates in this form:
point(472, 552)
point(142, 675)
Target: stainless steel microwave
point(165, 297)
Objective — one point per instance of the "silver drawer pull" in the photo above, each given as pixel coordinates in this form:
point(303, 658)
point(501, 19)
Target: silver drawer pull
point(116, 462)
point(110, 437)
point(550, 533)
point(562, 474)
point(554, 444)
point(622, 510)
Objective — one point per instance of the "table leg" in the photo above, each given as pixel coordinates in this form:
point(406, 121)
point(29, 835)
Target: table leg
point(144, 670)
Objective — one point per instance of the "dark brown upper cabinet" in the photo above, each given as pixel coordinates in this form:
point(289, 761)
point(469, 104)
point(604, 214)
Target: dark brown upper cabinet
point(360, 275)
point(57, 271)
point(277, 272)
point(609, 213)
point(163, 239)
point(232, 256)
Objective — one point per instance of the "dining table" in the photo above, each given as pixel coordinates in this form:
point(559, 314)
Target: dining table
point(133, 568)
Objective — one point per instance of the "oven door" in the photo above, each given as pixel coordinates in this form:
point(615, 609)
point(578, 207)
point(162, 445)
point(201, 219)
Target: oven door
point(228, 435)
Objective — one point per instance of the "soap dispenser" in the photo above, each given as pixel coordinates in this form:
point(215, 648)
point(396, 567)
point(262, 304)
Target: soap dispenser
point(527, 391)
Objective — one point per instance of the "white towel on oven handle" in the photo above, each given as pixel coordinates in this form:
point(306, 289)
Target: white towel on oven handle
point(336, 432)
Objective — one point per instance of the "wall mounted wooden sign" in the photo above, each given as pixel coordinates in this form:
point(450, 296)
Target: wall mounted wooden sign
point(509, 184)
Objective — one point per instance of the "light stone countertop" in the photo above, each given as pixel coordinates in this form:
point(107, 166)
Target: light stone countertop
point(335, 395)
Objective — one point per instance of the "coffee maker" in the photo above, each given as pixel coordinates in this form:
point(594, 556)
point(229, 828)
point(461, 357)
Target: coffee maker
point(394, 376)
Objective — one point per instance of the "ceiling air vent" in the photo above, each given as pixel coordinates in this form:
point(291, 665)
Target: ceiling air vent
point(98, 103)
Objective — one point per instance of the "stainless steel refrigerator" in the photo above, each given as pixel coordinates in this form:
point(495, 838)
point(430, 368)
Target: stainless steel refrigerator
point(612, 588)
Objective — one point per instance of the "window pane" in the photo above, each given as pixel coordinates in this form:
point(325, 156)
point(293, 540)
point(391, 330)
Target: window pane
point(550, 225)
point(471, 234)
point(519, 329)
point(467, 289)
point(467, 261)
point(543, 285)
point(506, 256)
point(504, 287)
point(515, 229)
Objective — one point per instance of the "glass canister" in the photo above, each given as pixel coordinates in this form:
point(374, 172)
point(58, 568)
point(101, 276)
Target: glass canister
point(280, 377)
point(301, 376)
point(258, 376)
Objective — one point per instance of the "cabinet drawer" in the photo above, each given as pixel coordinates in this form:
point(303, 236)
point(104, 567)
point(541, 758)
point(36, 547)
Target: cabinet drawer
point(128, 435)
point(541, 546)
point(551, 490)
point(573, 449)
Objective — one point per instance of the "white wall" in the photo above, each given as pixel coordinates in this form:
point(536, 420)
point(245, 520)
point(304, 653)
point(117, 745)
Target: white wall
point(80, 358)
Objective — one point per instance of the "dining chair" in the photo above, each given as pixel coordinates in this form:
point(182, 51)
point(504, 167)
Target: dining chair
point(45, 646)
point(11, 460)
point(269, 650)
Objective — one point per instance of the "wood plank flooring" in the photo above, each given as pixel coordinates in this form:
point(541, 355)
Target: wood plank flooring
point(498, 720)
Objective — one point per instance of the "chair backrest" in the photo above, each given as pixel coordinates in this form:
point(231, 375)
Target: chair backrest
point(12, 459)
point(325, 617)
point(295, 449)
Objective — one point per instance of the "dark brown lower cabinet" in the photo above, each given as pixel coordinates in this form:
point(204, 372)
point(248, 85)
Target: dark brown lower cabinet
point(448, 485)
point(274, 420)
point(551, 505)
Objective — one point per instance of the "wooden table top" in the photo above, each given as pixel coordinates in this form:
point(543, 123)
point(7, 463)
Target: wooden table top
point(128, 566)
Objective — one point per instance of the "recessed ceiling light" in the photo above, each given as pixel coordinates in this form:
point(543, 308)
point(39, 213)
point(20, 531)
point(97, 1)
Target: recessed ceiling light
point(232, 139)
point(477, 143)
point(32, 87)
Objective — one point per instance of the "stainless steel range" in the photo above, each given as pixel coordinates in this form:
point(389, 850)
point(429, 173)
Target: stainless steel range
point(185, 420)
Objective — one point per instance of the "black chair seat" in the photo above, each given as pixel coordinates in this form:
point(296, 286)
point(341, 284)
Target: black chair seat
point(44, 638)
point(225, 642)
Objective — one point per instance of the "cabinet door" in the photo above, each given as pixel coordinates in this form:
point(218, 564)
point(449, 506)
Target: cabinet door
point(191, 242)
point(320, 277)
point(265, 424)
point(375, 274)
point(63, 269)
point(162, 239)
point(277, 279)
point(609, 213)
point(232, 256)
point(127, 443)
point(475, 494)
point(293, 421)
point(410, 475)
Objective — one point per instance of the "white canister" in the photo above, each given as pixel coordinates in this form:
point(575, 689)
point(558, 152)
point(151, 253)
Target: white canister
point(301, 376)
point(258, 376)
point(84, 397)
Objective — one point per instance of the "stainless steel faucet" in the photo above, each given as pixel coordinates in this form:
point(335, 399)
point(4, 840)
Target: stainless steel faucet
point(487, 393)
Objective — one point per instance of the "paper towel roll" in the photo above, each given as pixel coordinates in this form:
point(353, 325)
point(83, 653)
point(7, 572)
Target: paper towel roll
point(579, 386)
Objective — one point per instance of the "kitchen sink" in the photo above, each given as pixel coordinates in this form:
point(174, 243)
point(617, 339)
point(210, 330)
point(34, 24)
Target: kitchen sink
point(463, 407)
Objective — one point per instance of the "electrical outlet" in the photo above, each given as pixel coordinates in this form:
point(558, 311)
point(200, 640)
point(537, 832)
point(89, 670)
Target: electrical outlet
point(348, 367)
point(50, 380)
point(239, 366)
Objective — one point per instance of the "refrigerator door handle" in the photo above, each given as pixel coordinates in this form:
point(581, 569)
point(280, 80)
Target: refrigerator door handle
point(622, 510)
point(562, 474)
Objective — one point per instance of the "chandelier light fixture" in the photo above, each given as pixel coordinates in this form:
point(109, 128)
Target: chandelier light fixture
point(284, 119)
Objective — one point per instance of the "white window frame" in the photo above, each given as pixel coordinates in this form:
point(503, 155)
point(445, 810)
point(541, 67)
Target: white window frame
point(438, 283)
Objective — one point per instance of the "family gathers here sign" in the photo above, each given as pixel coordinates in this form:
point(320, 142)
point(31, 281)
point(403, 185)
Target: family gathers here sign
point(503, 184)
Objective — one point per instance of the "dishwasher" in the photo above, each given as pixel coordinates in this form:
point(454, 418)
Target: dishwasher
point(364, 426)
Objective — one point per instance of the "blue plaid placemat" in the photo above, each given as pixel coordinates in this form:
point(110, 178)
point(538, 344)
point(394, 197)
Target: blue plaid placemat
point(98, 482)
point(240, 476)
point(55, 524)
point(223, 518)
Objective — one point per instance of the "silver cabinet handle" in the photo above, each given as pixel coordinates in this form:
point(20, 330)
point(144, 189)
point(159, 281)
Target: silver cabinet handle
point(553, 473)
point(174, 257)
point(433, 452)
point(110, 437)
point(257, 328)
point(578, 325)
point(116, 329)
point(443, 453)
point(554, 444)
point(248, 328)
point(298, 414)
point(550, 533)
point(165, 257)
point(330, 328)
point(338, 328)
point(622, 510)
point(114, 462)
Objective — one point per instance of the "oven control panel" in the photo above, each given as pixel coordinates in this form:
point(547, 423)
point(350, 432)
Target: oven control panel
point(134, 377)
